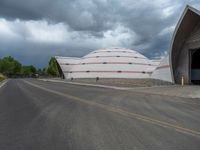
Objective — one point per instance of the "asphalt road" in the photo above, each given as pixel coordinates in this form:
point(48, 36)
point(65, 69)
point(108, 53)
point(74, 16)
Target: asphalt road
point(39, 115)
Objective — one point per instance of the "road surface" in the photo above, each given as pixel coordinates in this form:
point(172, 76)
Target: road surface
point(39, 115)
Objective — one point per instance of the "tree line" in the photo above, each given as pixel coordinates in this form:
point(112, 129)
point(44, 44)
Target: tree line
point(11, 67)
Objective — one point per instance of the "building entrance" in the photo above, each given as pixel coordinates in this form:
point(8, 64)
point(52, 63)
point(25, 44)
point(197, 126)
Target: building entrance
point(195, 66)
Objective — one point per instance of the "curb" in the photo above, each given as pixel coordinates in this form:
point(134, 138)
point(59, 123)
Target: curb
point(101, 86)
point(88, 84)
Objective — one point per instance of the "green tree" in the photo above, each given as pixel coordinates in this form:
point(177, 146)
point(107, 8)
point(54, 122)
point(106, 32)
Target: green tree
point(53, 68)
point(39, 71)
point(42, 72)
point(28, 70)
point(9, 66)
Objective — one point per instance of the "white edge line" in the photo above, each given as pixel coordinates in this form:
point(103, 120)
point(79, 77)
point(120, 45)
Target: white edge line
point(3, 83)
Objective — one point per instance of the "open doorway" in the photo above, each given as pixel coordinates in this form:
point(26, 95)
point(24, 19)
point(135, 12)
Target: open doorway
point(195, 66)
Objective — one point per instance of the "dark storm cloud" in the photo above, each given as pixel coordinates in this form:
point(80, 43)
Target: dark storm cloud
point(142, 25)
point(90, 15)
point(79, 15)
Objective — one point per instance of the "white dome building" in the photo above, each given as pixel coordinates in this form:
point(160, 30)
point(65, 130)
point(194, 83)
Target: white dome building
point(108, 63)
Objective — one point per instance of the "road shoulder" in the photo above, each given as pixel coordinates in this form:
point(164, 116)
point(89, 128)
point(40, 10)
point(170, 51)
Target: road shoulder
point(167, 90)
point(3, 82)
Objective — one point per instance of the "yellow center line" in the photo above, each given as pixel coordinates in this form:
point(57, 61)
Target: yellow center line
point(123, 112)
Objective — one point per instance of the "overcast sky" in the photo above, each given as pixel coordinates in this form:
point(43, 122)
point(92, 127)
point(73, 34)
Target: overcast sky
point(34, 30)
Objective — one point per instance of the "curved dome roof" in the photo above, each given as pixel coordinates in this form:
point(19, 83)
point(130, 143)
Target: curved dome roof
point(162, 72)
point(115, 52)
point(108, 63)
